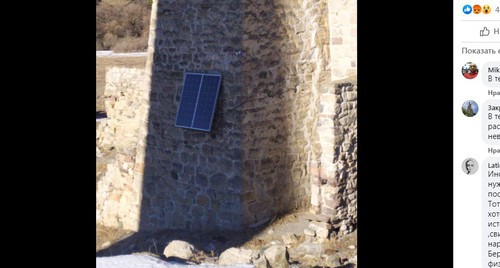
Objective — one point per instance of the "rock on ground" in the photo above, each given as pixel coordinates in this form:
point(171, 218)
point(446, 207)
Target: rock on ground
point(179, 249)
point(276, 256)
point(236, 256)
point(289, 238)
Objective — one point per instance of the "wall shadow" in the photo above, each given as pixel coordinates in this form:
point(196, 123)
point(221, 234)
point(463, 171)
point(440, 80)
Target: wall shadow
point(155, 242)
point(191, 178)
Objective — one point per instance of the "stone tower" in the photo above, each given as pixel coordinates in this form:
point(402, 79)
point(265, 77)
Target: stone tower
point(469, 108)
point(284, 130)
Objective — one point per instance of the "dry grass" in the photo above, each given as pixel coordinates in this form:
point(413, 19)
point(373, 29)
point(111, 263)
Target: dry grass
point(106, 236)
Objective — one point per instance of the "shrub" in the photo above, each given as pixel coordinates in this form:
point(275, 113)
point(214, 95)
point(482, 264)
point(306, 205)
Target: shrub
point(121, 22)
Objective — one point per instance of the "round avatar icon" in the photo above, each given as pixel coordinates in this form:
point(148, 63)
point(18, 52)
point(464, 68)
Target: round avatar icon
point(470, 166)
point(469, 70)
point(470, 108)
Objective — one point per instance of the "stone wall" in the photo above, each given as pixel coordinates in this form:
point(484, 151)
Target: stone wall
point(342, 15)
point(341, 193)
point(285, 59)
point(107, 59)
point(283, 135)
point(117, 194)
point(334, 176)
point(192, 179)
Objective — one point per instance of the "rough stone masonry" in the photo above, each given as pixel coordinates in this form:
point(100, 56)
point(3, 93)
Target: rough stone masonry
point(284, 130)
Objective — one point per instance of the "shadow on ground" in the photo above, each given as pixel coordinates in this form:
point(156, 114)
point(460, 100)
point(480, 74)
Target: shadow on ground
point(208, 242)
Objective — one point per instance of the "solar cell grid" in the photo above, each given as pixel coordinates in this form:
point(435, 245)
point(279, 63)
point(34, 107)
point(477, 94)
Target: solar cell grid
point(198, 101)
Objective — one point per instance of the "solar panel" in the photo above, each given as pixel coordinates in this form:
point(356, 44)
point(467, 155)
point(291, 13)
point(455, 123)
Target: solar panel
point(198, 99)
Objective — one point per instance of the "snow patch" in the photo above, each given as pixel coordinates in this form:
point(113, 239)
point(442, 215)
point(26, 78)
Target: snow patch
point(139, 260)
point(109, 53)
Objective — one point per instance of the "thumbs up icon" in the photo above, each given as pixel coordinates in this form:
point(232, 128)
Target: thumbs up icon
point(484, 32)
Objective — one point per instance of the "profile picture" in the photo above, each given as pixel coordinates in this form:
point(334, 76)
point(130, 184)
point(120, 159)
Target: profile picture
point(470, 166)
point(469, 70)
point(469, 108)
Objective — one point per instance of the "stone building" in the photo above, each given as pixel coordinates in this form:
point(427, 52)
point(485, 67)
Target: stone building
point(469, 109)
point(283, 135)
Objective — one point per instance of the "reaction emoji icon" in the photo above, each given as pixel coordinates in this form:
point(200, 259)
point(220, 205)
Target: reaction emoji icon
point(467, 9)
point(486, 9)
point(476, 9)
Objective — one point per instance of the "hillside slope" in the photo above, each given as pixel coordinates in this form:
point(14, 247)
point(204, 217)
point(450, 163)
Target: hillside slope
point(122, 25)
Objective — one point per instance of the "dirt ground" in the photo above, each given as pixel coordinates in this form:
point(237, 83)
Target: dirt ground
point(110, 242)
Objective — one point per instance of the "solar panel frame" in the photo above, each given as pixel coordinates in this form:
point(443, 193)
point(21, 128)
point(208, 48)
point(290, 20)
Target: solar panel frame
point(209, 92)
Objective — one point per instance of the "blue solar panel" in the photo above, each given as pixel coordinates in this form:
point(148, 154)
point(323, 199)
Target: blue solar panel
point(198, 99)
point(189, 97)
